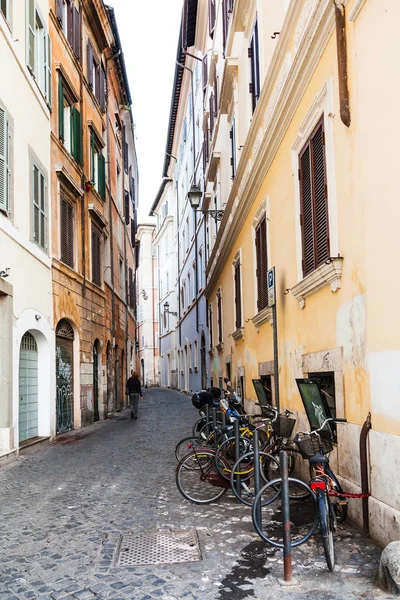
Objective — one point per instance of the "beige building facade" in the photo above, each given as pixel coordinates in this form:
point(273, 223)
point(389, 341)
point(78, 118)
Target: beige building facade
point(300, 126)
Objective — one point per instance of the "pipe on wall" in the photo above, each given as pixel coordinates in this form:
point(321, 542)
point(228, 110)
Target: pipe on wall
point(364, 471)
point(341, 43)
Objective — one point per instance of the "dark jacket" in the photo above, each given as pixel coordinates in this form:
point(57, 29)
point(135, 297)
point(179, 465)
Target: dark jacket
point(133, 386)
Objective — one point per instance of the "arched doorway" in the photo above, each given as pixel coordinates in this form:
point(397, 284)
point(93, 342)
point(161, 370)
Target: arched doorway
point(109, 378)
point(28, 388)
point(96, 361)
point(203, 365)
point(65, 376)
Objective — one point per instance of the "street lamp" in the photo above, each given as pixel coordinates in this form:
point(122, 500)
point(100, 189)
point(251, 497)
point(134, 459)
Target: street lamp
point(166, 309)
point(195, 194)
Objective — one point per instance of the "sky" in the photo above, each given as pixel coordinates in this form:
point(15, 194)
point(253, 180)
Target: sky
point(149, 36)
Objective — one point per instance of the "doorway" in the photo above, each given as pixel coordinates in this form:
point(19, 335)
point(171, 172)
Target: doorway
point(65, 376)
point(96, 349)
point(28, 388)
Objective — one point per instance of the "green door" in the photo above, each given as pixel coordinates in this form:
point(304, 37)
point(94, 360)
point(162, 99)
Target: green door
point(28, 388)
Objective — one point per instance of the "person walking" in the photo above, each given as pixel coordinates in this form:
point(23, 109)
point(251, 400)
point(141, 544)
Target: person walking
point(134, 391)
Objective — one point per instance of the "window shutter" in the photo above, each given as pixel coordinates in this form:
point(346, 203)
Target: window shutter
point(102, 96)
point(238, 298)
point(96, 262)
point(76, 33)
point(76, 135)
point(43, 215)
point(30, 45)
point(60, 10)
point(90, 64)
point(97, 83)
point(307, 211)
point(61, 110)
point(92, 155)
point(211, 17)
point(264, 262)
point(205, 73)
point(320, 196)
point(70, 24)
point(3, 161)
point(67, 233)
point(219, 309)
point(127, 208)
point(48, 53)
point(102, 176)
point(259, 269)
point(254, 87)
point(36, 206)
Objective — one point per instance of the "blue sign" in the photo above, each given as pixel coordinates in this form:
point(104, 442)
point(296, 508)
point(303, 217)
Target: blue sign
point(271, 287)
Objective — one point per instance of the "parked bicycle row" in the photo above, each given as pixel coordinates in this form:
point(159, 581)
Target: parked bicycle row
point(231, 450)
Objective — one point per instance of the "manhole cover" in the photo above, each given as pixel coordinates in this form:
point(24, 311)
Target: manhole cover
point(158, 548)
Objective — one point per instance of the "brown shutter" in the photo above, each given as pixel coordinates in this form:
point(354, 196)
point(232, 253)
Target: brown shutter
point(215, 93)
point(96, 245)
point(259, 269)
point(76, 45)
point(211, 17)
point(320, 196)
point(314, 206)
point(127, 208)
point(205, 73)
point(102, 94)
point(238, 296)
point(97, 83)
point(219, 311)
point(262, 265)
point(90, 64)
point(66, 232)
point(59, 10)
point(70, 24)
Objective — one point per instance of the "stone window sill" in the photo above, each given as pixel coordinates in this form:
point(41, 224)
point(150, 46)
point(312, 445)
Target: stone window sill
point(238, 334)
point(329, 273)
point(264, 316)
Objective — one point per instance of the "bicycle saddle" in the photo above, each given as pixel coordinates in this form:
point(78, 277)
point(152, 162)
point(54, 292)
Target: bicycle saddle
point(318, 459)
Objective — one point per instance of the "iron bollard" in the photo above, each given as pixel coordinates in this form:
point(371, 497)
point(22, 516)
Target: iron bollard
point(287, 547)
point(207, 420)
point(223, 419)
point(256, 471)
point(236, 425)
point(215, 428)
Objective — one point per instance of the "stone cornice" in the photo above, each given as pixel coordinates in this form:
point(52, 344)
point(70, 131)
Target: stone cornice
point(270, 124)
point(329, 273)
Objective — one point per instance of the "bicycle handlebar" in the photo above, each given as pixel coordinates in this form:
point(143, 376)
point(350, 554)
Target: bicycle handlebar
point(331, 419)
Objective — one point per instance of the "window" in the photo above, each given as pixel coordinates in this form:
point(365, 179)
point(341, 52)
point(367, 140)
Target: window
point(96, 77)
point(314, 202)
point(254, 87)
point(238, 294)
point(262, 264)
point(131, 289)
point(67, 232)
point(227, 7)
point(5, 160)
point(69, 18)
point(205, 74)
point(211, 17)
point(190, 296)
point(5, 9)
point(39, 221)
point(219, 316)
point(98, 166)
point(126, 207)
point(38, 50)
point(96, 256)
point(69, 122)
point(232, 135)
point(200, 270)
point(182, 299)
point(125, 150)
point(195, 357)
point(190, 358)
point(121, 277)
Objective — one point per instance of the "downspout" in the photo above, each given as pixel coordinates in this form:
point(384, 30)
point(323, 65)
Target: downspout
point(83, 203)
point(126, 305)
point(153, 314)
point(344, 98)
point(364, 471)
point(179, 267)
point(111, 221)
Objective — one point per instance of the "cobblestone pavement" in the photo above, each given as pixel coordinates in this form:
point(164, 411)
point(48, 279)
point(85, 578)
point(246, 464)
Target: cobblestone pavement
point(64, 506)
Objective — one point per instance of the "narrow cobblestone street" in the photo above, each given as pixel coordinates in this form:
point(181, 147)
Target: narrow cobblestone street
point(64, 506)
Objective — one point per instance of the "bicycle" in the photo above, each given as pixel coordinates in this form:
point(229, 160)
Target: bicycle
point(315, 447)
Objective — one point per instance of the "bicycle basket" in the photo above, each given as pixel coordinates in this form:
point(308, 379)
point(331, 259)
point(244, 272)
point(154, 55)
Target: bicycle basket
point(283, 426)
point(310, 445)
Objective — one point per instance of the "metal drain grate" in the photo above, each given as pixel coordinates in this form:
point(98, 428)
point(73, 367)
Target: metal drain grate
point(158, 548)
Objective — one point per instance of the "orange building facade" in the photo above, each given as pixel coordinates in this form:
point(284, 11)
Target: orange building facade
point(93, 189)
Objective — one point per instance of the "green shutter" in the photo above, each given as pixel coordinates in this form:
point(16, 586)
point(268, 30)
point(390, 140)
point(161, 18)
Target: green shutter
point(3, 160)
point(36, 205)
point(102, 176)
point(61, 110)
point(92, 156)
point(76, 135)
point(30, 34)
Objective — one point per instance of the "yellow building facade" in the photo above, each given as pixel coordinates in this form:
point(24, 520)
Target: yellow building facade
point(308, 187)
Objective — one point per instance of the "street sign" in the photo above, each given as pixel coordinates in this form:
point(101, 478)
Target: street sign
point(271, 287)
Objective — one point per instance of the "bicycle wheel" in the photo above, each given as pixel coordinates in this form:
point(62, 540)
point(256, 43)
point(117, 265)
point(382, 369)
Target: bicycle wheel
point(186, 445)
point(207, 432)
point(326, 529)
point(267, 515)
point(227, 450)
point(272, 471)
point(244, 468)
point(198, 425)
point(197, 477)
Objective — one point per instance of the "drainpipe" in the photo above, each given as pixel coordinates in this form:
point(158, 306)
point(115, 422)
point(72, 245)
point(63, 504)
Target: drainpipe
point(179, 268)
point(108, 58)
point(83, 203)
point(344, 98)
point(153, 316)
point(364, 471)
